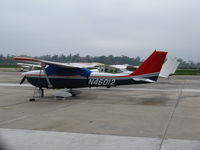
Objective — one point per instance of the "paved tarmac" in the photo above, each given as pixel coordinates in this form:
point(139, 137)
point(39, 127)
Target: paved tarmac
point(163, 115)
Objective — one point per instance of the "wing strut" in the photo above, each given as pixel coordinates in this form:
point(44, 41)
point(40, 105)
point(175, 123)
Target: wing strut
point(49, 85)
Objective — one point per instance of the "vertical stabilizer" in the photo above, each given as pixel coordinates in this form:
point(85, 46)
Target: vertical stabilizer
point(152, 65)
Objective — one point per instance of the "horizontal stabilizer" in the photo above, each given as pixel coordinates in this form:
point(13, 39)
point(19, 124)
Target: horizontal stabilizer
point(169, 67)
point(144, 79)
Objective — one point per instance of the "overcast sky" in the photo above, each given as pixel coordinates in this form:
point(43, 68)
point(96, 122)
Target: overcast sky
point(100, 27)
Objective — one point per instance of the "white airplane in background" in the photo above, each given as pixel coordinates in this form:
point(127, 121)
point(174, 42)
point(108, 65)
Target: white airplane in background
point(24, 67)
point(125, 67)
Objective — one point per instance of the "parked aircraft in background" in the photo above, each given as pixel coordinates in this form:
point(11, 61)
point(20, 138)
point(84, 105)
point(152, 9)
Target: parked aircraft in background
point(24, 67)
point(56, 75)
point(125, 67)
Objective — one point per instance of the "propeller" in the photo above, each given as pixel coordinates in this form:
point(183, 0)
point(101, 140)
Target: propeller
point(23, 79)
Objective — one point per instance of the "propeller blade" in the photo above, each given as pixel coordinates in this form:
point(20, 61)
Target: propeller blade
point(23, 79)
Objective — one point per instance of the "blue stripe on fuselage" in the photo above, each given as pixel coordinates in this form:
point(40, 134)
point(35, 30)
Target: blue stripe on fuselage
point(54, 70)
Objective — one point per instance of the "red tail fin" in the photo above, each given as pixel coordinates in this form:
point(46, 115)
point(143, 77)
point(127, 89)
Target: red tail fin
point(152, 64)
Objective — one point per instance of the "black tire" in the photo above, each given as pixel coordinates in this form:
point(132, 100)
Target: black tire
point(73, 95)
point(32, 99)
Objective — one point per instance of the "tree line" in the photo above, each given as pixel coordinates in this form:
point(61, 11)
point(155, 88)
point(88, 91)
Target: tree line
point(110, 60)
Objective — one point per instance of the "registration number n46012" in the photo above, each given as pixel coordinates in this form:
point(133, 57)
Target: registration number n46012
point(101, 81)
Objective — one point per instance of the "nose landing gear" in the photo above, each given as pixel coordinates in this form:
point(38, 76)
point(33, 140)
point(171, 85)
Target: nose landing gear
point(37, 93)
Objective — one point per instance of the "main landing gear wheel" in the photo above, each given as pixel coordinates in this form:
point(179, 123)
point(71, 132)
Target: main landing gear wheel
point(32, 99)
point(74, 92)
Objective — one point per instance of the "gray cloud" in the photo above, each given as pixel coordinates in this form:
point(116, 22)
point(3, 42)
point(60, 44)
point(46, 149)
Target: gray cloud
point(100, 27)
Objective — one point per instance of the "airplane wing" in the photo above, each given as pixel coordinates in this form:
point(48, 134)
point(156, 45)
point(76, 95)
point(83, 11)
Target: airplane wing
point(45, 62)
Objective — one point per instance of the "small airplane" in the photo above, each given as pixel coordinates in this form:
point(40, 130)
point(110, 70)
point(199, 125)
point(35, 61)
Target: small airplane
point(126, 67)
point(54, 75)
point(24, 67)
